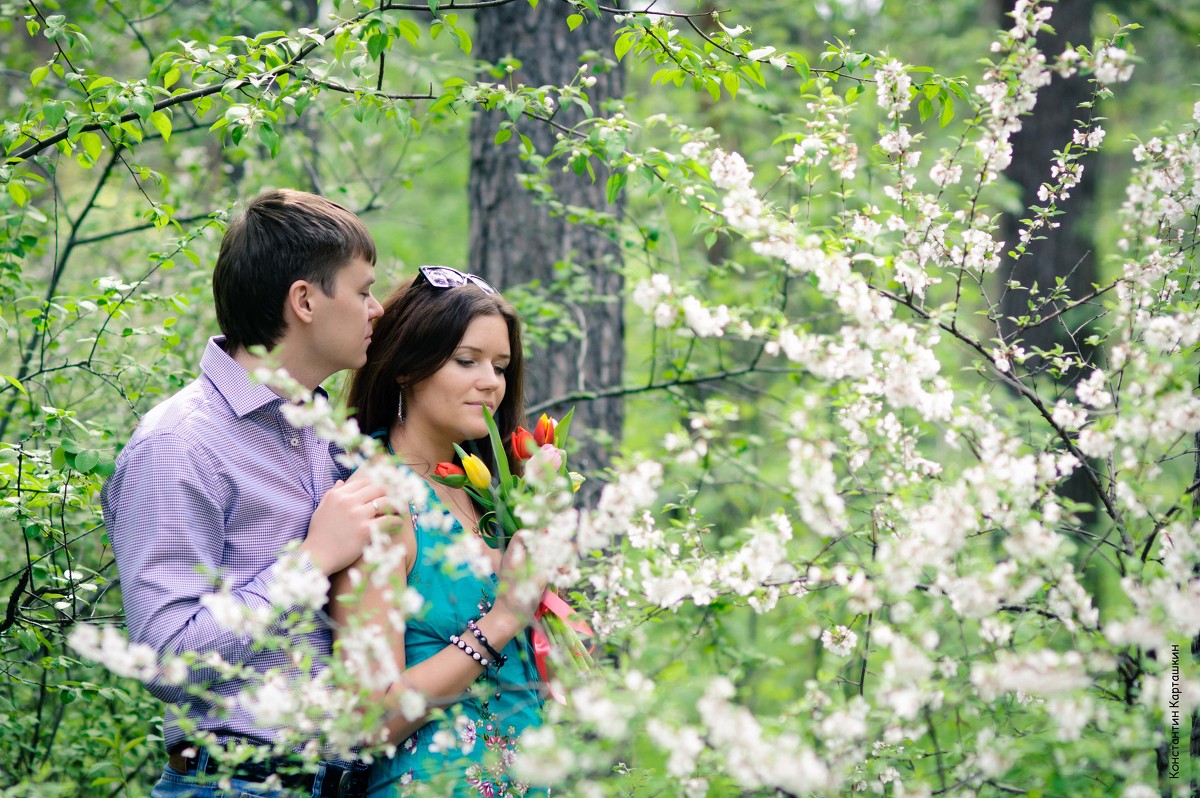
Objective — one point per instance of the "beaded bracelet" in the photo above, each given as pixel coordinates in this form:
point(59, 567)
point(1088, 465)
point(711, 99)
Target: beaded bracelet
point(498, 659)
point(470, 652)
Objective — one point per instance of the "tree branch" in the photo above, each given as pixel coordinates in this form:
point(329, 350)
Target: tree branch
point(1033, 398)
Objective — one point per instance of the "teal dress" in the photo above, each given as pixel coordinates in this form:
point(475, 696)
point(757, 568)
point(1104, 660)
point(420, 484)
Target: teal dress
point(467, 752)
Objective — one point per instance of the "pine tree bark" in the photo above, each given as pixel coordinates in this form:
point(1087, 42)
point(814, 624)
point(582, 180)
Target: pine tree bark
point(515, 240)
point(1066, 251)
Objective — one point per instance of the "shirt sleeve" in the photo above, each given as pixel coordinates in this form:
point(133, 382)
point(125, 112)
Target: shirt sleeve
point(165, 508)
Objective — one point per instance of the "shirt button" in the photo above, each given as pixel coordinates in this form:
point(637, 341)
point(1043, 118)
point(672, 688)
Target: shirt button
point(294, 441)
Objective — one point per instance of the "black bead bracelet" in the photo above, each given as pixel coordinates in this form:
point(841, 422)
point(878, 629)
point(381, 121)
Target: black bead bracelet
point(498, 659)
point(469, 651)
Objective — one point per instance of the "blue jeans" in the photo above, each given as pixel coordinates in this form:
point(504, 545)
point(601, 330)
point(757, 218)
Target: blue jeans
point(174, 784)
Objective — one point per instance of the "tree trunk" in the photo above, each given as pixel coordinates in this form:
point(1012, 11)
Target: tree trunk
point(515, 240)
point(1065, 251)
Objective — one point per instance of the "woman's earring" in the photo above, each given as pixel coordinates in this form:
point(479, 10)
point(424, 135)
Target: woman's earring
point(400, 408)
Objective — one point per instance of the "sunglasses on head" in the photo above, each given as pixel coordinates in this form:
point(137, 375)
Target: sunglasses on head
point(448, 277)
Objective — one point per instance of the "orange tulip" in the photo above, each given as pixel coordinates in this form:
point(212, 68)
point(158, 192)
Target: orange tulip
point(543, 432)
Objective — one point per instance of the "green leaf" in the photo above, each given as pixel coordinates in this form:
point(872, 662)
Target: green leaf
point(409, 30)
point(464, 40)
point(86, 460)
point(802, 67)
point(947, 111)
point(562, 430)
point(172, 77)
point(53, 112)
point(84, 42)
point(497, 445)
point(20, 195)
point(612, 188)
point(92, 145)
point(624, 44)
point(958, 89)
point(13, 381)
point(142, 105)
point(730, 81)
point(753, 73)
point(133, 130)
point(105, 467)
point(574, 21)
point(714, 88)
point(514, 108)
point(925, 108)
point(39, 74)
point(269, 138)
point(376, 45)
point(162, 123)
point(502, 135)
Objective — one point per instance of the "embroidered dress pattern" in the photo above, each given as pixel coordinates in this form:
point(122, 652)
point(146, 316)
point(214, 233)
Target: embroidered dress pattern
point(470, 750)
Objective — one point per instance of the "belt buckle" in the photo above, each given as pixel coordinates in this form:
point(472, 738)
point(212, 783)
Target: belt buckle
point(350, 783)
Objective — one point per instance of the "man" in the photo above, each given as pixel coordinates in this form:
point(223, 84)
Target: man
point(215, 482)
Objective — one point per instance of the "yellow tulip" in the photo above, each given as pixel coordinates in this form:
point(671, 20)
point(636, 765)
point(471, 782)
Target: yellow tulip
point(477, 473)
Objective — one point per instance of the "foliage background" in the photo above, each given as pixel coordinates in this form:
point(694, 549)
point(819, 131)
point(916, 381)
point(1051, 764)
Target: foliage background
point(106, 252)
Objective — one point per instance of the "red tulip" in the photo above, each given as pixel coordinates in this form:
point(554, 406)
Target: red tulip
point(523, 444)
point(448, 470)
point(543, 433)
point(449, 474)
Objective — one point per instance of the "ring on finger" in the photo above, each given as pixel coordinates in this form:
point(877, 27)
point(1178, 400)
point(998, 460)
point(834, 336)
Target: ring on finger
point(375, 506)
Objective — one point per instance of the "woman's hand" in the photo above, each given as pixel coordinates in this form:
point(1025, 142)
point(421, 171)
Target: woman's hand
point(520, 589)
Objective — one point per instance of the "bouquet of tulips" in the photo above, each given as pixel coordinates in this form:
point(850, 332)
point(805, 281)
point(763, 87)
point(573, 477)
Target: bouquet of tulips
point(499, 496)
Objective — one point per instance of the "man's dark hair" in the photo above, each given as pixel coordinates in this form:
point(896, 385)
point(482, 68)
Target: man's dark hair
point(281, 236)
point(420, 329)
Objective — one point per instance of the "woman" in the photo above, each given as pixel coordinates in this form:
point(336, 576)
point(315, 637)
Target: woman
point(446, 346)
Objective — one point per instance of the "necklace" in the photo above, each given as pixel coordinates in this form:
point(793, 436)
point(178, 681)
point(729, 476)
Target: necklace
point(468, 511)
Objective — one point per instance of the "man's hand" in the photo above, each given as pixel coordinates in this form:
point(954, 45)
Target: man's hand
point(341, 526)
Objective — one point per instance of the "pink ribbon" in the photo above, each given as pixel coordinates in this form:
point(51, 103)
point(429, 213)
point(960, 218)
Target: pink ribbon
point(552, 604)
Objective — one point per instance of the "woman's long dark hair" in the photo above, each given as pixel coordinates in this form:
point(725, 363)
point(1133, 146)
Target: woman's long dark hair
point(420, 329)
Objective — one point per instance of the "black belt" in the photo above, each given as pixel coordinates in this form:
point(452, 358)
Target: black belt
point(338, 781)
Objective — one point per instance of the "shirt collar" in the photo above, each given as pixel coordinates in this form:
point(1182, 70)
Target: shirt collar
point(232, 380)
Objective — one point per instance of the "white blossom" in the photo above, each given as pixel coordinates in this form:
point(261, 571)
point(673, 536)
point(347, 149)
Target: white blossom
point(1091, 391)
point(839, 640)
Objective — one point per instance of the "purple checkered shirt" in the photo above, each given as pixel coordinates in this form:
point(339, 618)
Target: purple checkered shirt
point(214, 481)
